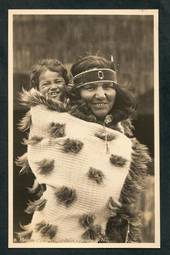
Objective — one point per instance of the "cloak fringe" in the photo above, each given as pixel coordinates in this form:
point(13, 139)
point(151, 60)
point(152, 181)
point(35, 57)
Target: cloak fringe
point(82, 111)
point(25, 227)
point(128, 127)
point(33, 97)
point(22, 162)
point(117, 230)
point(23, 236)
point(35, 187)
point(92, 233)
point(130, 194)
point(36, 205)
point(114, 205)
point(32, 140)
point(25, 122)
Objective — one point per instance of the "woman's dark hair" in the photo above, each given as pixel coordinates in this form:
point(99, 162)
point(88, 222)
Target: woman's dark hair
point(90, 62)
point(125, 103)
point(53, 65)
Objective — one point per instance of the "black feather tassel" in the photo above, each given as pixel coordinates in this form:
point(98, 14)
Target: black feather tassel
point(86, 220)
point(47, 230)
point(72, 145)
point(96, 175)
point(66, 196)
point(56, 130)
point(102, 135)
point(117, 160)
point(45, 166)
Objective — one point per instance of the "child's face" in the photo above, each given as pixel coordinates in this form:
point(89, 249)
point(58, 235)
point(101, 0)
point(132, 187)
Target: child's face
point(51, 85)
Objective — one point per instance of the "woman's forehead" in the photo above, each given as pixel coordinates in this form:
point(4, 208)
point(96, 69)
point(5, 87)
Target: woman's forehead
point(98, 84)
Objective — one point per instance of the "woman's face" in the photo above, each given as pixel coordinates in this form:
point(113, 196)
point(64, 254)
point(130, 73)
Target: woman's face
point(51, 85)
point(100, 97)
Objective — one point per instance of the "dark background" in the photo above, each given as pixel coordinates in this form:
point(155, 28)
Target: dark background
point(164, 60)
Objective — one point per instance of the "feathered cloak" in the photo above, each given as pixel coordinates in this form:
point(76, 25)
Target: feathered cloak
point(93, 177)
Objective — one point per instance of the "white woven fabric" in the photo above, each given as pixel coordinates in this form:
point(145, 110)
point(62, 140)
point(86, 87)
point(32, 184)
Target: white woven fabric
point(71, 170)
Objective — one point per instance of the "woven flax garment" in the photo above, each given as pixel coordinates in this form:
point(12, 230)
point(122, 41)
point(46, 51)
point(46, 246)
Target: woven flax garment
point(83, 176)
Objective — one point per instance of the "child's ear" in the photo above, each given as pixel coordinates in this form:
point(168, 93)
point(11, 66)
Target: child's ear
point(34, 81)
point(33, 84)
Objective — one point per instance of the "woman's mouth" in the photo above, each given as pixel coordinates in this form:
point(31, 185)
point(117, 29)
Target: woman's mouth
point(99, 105)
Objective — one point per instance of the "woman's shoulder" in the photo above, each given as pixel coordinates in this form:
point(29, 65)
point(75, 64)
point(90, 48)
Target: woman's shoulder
point(127, 127)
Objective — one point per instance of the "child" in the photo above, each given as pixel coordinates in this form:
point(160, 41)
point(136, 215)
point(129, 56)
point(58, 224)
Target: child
point(50, 78)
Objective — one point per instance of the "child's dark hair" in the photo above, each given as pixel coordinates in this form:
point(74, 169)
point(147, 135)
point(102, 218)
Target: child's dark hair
point(53, 65)
point(125, 103)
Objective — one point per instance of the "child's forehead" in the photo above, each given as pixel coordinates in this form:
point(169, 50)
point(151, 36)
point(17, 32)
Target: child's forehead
point(49, 74)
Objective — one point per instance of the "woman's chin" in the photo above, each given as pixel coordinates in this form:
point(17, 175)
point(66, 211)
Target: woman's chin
point(100, 114)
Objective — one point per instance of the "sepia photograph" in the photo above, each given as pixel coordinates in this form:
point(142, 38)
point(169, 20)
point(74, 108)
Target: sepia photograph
point(83, 93)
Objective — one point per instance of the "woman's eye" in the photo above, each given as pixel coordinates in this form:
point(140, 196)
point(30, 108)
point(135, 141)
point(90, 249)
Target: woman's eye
point(89, 88)
point(108, 86)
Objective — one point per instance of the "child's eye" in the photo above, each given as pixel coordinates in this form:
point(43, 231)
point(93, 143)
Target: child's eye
point(44, 83)
point(59, 81)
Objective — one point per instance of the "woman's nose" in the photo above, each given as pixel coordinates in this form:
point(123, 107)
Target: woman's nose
point(100, 93)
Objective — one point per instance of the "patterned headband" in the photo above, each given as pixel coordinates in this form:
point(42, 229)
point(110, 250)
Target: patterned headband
point(94, 75)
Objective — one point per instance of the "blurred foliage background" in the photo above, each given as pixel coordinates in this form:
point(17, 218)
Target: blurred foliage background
point(66, 37)
point(128, 38)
